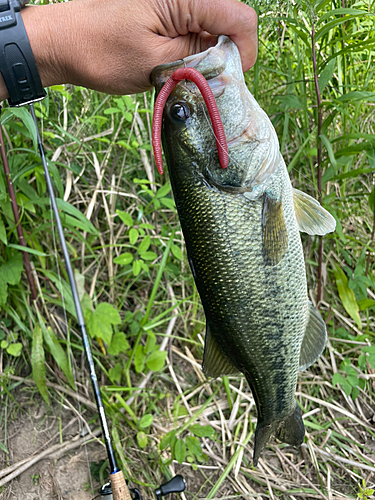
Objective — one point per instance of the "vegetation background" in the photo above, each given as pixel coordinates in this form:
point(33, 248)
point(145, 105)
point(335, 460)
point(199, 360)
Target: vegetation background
point(315, 78)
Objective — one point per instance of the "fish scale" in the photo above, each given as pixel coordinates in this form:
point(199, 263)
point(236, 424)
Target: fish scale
point(241, 227)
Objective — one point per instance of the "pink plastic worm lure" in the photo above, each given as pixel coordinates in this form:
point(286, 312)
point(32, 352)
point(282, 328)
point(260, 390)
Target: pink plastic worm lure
point(199, 80)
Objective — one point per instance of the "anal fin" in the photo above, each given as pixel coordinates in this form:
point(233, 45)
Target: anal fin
point(314, 341)
point(215, 363)
point(311, 217)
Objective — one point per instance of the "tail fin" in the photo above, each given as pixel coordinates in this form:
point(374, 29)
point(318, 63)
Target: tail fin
point(290, 430)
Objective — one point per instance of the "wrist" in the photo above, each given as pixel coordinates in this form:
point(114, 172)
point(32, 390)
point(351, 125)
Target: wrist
point(39, 25)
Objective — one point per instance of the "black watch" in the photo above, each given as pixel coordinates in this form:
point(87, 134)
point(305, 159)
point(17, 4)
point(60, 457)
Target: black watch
point(17, 63)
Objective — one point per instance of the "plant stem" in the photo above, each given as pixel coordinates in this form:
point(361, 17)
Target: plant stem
point(16, 215)
point(319, 148)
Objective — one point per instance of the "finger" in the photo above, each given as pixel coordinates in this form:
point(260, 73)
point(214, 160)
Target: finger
point(231, 18)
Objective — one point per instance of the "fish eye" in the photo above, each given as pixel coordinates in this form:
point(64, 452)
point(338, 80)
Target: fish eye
point(180, 111)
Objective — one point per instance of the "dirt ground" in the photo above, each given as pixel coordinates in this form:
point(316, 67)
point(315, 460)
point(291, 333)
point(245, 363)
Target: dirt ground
point(35, 429)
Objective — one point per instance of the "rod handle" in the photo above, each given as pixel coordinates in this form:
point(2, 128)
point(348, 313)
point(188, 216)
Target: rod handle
point(119, 489)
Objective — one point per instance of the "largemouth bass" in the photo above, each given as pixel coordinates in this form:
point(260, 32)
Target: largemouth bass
point(241, 227)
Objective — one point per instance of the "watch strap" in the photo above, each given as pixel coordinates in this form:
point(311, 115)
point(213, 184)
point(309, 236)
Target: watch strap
point(17, 64)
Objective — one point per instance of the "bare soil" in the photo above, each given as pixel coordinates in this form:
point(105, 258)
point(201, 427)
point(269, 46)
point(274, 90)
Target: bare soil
point(34, 429)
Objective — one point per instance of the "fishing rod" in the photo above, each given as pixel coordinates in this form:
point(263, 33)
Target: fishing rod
point(116, 488)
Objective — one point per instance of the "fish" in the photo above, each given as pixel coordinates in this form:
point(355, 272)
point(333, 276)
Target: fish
point(241, 226)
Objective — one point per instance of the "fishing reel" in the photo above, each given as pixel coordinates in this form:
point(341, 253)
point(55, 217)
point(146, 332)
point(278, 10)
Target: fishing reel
point(175, 485)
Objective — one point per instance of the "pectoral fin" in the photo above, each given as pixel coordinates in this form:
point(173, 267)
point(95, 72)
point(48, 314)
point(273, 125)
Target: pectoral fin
point(275, 234)
point(312, 218)
point(314, 341)
point(214, 362)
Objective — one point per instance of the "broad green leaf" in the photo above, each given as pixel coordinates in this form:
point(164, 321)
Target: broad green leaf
point(3, 292)
point(120, 103)
point(3, 448)
point(145, 421)
point(180, 450)
point(176, 252)
point(356, 149)
point(144, 245)
point(168, 202)
point(366, 304)
point(10, 272)
point(150, 343)
point(142, 439)
point(139, 359)
point(125, 217)
point(326, 74)
point(15, 349)
point(128, 116)
point(168, 440)
point(347, 295)
point(137, 266)
point(193, 445)
point(3, 233)
point(101, 320)
point(339, 379)
point(201, 430)
point(330, 152)
point(27, 250)
point(65, 291)
point(148, 256)
point(331, 25)
point(290, 101)
point(115, 373)
point(362, 361)
point(133, 235)
point(163, 191)
point(24, 115)
point(357, 95)
point(111, 111)
point(155, 360)
point(355, 393)
point(80, 282)
point(123, 259)
point(58, 353)
point(352, 380)
point(119, 344)
point(67, 208)
point(353, 173)
point(37, 363)
point(128, 101)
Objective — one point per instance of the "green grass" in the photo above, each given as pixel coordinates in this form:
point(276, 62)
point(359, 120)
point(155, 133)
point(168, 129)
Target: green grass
point(129, 254)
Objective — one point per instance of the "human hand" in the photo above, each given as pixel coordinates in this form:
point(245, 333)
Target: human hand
point(113, 45)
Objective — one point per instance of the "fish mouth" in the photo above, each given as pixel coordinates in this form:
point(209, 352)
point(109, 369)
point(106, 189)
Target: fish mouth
point(211, 64)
